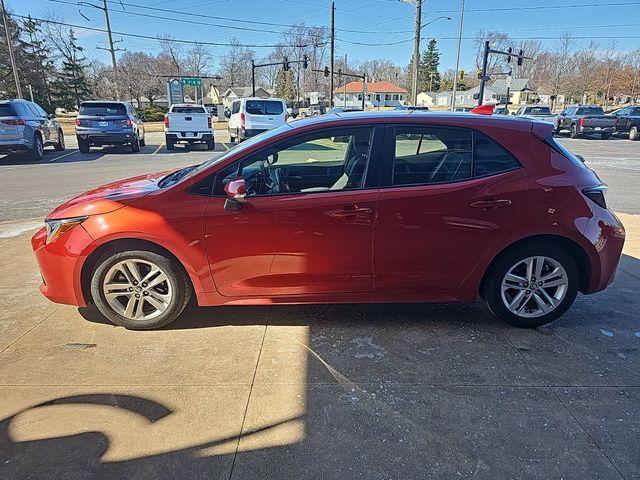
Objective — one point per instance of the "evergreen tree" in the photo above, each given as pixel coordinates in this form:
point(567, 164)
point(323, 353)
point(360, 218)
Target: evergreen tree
point(285, 88)
point(428, 76)
point(36, 66)
point(71, 83)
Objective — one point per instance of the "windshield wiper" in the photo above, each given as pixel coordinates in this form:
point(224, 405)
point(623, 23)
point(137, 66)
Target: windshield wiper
point(175, 177)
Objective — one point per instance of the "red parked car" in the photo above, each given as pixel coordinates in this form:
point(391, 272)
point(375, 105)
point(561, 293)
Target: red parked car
point(365, 207)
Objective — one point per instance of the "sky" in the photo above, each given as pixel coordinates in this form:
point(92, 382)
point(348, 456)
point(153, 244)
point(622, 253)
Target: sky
point(386, 25)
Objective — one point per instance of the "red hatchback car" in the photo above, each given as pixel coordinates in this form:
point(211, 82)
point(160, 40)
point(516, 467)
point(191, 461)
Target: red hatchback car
point(363, 207)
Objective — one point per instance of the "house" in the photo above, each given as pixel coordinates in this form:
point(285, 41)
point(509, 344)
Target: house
point(427, 99)
point(466, 98)
point(213, 96)
point(234, 93)
point(521, 91)
point(376, 94)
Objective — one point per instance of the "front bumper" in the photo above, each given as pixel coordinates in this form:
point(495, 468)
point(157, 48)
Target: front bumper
point(60, 265)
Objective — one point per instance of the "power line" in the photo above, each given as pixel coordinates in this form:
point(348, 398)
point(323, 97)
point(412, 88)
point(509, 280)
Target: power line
point(175, 40)
point(542, 7)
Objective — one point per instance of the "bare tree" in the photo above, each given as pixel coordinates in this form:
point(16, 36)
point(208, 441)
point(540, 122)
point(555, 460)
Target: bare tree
point(198, 60)
point(585, 67)
point(235, 65)
point(561, 62)
point(498, 41)
point(610, 66)
point(171, 56)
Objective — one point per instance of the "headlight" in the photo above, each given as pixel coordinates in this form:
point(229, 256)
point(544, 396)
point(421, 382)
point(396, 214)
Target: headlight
point(56, 228)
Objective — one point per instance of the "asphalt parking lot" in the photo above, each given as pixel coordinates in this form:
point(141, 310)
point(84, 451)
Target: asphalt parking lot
point(328, 391)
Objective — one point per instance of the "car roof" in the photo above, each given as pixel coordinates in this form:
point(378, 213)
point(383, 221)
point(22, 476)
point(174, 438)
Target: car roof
point(119, 102)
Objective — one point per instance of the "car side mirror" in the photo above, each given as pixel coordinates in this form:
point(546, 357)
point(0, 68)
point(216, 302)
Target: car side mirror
point(581, 158)
point(227, 114)
point(236, 191)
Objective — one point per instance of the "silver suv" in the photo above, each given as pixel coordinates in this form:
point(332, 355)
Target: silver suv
point(25, 125)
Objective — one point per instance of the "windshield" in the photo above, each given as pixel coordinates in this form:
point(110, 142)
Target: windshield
point(188, 110)
point(590, 111)
point(537, 111)
point(264, 107)
point(103, 109)
point(240, 147)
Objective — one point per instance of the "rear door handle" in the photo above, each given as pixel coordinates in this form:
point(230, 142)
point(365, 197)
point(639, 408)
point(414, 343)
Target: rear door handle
point(350, 212)
point(491, 204)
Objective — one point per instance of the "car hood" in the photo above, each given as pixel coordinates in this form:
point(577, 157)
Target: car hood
point(109, 197)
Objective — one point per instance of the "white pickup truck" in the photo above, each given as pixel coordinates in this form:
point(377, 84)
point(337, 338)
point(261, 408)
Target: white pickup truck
point(537, 112)
point(188, 123)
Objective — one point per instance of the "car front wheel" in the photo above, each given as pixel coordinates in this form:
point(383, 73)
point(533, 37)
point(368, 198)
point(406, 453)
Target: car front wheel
point(140, 290)
point(59, 146)
point(633, 133)
point(532, 285)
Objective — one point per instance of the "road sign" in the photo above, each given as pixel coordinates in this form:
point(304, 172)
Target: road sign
point(313, 98)
point(175, 91)
point(192, 82)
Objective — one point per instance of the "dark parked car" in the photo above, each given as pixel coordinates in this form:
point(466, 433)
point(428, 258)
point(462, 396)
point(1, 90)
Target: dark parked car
point(26, 126)
point(586, 120)
point(628, 121)
point(412, 208)
point(108, 123)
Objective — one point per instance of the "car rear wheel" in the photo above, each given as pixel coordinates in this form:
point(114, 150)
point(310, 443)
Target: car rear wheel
point(83, 146)
point(531, 286)
point(574, 131)
point(38, 147)
point(232, 139)
point(633, 133)
point(59, 147)
point(135, 145)
point(140, 290)
point(210, 145)
point(169, 143)
point(142, 142)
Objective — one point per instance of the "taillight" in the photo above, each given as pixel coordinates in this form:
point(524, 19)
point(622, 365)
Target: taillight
point(78, 122)
point(596, 194)
point(19, 121)
point(581, 122)
point(166, 121)
point(242, 120)
point(209, 121)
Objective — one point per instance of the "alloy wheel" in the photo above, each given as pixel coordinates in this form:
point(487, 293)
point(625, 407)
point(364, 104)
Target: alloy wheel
point(137, 289)
point(534, 286)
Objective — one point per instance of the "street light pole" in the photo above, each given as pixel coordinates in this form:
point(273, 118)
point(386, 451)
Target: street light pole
point(455, 77)
point(416, 53)
point(10, 48)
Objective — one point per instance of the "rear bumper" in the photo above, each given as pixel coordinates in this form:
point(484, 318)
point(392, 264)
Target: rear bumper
point(251, 133)
point(184, 136)
point(106, 138)
point(60, 265)
point(15, 144)
point(587, 130)
point(606, 233)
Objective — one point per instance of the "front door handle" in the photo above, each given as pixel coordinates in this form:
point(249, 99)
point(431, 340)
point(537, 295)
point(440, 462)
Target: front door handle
point(350, 212)
point(491, 204)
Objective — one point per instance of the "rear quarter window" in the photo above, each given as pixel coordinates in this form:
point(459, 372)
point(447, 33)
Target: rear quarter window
point(491, 158)
point(6, 110)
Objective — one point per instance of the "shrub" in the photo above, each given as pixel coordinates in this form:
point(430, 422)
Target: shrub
point(151, 114)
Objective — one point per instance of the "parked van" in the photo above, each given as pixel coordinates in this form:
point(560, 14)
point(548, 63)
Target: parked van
point(251, 116)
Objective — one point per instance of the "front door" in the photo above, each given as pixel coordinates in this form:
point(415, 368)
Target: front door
point(441, 211)
point(307, 224)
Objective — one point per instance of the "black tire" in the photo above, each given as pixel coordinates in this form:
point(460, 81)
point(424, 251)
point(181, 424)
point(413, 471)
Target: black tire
point(83, 146)
point(574, 131)
point(37, 153)
point(135, 145)
point(169, 143)
point(634, 134)
point(59, 147)
point(605, 136)
point(558, 129)
point(499, 268)
point(142, 142)
point(175, 276)
point(210, 145)
point(231, 137)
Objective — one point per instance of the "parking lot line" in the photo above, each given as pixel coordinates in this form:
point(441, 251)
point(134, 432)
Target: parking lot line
point(62, 156)
point(226, 147)
point(158, 149)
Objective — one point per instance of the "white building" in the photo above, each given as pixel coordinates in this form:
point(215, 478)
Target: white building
point(376, 94)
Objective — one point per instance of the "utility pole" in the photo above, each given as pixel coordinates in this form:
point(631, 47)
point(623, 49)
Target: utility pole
point(253, 78)
point(10, 48)
point(333, 49)
point(416, 53)
point(483, 79)
point(112, 51)
point(455, 78)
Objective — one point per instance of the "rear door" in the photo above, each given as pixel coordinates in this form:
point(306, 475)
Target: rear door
point(264, 114)
point(449, 195)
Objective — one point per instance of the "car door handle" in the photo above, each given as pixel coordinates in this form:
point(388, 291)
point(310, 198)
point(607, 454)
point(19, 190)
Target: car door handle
point(350, 212)
point(491, 204)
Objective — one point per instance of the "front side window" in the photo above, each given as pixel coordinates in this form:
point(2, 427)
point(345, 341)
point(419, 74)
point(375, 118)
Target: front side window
point(320, 162)
point(428, 155)
point(491, 158)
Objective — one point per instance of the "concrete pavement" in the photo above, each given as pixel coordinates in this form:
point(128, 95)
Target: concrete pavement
point(332, 391)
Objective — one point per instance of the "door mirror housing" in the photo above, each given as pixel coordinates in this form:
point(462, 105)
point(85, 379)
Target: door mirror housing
point(236, 191)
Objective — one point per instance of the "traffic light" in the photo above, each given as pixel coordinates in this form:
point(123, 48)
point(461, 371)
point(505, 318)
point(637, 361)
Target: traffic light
point(326, 71)
point(461, 74)
point(339, 74)
point(509, 50)
point(285, 64)
point(520, 53)
point(479, 74)
point(305, 61)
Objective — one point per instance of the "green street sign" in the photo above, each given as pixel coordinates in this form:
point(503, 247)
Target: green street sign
point(193, 82)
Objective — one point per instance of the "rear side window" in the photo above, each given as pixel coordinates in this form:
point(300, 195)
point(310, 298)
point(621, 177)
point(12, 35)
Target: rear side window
point(103, 109)
point(537, 111)
point(491, 158)
point(590, 111)
point(6, 110)
point(427, 155)
point(188, 110)
point(235, 107)
point(264, 107)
